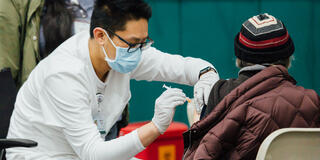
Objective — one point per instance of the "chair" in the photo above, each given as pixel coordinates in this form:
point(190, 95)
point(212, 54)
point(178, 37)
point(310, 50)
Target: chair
point(9, 143)
point(291, 143)
point(7, 98)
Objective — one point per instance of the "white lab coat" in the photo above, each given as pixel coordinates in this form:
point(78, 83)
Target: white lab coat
point(56, 105)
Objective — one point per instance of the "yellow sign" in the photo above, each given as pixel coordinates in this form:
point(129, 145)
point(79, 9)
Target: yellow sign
point(167, 152)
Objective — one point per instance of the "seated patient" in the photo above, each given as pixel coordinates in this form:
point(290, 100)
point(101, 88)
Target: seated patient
point(242, 112)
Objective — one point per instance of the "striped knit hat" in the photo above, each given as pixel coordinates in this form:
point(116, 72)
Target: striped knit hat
point(263, 39)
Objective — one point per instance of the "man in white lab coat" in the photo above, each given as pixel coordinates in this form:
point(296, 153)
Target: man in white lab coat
point(74, 96)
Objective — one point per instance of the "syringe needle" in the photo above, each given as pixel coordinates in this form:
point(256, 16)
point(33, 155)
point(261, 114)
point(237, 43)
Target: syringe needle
point(189, 100)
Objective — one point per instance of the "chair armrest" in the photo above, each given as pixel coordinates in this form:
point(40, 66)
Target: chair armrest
point(16, 142)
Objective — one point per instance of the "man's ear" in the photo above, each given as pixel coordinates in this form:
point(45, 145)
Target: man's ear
point(99, 35)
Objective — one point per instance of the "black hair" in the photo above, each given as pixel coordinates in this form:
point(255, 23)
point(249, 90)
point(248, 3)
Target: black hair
point(114, 14)
point(57, 22)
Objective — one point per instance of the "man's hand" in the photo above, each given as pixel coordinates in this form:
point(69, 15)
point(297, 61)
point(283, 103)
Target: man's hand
point(165, 108)
point(203, 88)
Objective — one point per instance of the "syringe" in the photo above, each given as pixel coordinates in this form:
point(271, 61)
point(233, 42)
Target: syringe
point(166, 87)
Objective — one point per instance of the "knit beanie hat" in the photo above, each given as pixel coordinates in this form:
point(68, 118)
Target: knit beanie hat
point(263, 39)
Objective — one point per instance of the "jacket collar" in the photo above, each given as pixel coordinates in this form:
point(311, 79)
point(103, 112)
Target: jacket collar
point(33, 7)
point(256, 67)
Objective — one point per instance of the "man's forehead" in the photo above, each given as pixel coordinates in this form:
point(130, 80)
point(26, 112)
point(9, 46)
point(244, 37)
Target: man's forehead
point(137, 26)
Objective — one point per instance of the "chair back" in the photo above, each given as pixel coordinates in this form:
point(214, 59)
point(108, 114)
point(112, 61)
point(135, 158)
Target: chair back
point(291, 143)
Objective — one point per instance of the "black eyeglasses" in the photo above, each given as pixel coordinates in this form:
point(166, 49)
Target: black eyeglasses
point(135, 46)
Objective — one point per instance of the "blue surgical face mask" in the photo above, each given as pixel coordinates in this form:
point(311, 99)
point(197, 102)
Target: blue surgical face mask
point(124, 62)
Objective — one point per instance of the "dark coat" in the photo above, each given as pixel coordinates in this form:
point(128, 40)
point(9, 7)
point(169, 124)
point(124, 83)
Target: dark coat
point(236, 127)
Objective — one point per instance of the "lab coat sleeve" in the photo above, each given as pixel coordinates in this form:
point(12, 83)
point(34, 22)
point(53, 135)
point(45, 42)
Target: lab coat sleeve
point(159, 66)
point(68, 99)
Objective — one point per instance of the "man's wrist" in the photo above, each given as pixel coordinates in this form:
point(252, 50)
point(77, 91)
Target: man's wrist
point(206, 70)
point(155, 127)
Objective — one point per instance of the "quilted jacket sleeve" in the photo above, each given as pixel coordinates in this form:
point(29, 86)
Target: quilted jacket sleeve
point(222, 136)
